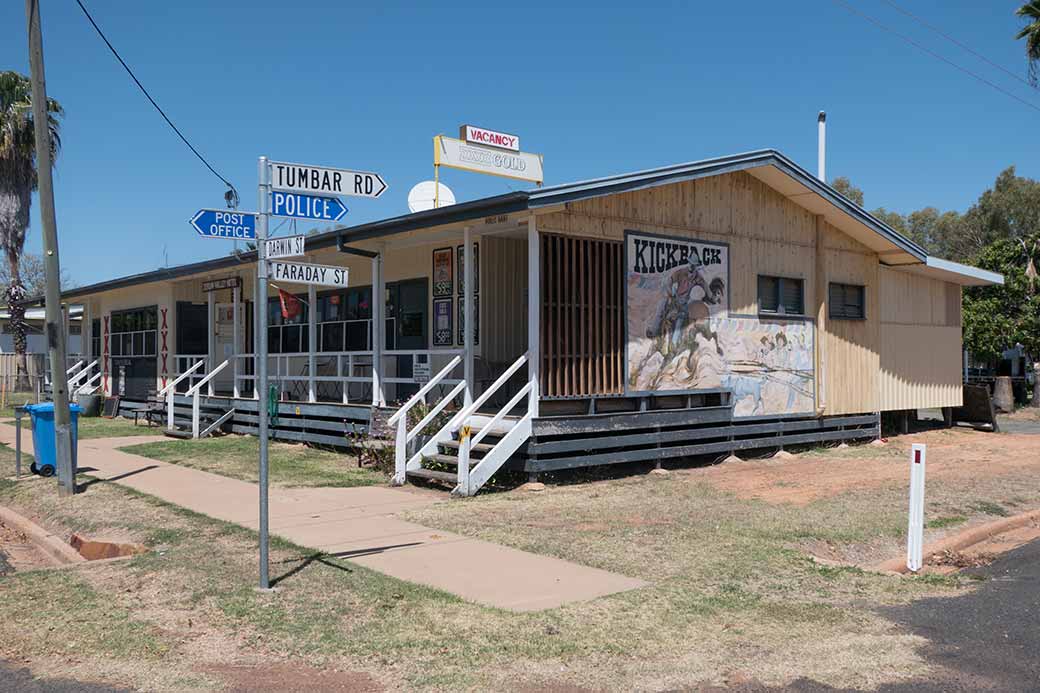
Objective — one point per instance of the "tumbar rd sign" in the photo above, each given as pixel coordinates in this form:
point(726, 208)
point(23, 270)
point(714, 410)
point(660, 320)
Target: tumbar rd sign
point(300, 273)
point(325, 181)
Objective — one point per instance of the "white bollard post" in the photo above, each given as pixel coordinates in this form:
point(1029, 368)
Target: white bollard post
point(400, 455)
point(915, 532)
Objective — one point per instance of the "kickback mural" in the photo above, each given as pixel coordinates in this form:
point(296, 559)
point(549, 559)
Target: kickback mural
point(681, 337)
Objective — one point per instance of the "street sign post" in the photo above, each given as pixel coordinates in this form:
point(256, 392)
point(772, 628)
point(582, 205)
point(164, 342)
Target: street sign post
point(317, 185)
point(302, 273)
point(224, 223)
point(287, 246)
point(319, 180)
point(299, 206)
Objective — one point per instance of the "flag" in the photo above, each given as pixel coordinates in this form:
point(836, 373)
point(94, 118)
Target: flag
point(291, 306)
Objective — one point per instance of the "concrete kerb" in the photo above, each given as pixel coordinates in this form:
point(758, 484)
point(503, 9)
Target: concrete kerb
point(55, 548)
point(962, 540)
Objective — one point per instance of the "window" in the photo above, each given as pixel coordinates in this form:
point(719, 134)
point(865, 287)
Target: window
point(133, 332)
point(781, 295)
point(95, 338)
point(847, 302)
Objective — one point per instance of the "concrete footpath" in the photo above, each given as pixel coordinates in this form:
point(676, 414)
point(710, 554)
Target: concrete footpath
point(359, 525)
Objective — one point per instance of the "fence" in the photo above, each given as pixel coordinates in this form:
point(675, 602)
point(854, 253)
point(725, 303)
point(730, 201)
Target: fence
point(35, 366)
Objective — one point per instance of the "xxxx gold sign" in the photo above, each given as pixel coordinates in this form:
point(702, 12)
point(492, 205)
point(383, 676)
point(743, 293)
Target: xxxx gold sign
point(448, 151)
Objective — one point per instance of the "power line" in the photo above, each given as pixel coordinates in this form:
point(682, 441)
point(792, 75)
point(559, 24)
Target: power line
point(935, 55)
point(232, 194)
point(963, 45)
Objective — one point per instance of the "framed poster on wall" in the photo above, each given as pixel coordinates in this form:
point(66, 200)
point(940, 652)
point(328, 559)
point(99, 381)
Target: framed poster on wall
point(476, 268)
point(476, 320)
point(442, 275)
point(442, 322)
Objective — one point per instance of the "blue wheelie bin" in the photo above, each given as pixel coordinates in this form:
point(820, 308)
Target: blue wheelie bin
point(42, 416)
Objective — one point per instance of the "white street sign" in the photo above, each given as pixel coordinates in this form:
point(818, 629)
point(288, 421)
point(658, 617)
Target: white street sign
point(300, 273)
point(320, 180)
point(455, 153)
point(288, 246)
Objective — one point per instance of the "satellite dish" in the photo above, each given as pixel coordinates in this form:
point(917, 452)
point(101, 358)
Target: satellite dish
point(423, 195)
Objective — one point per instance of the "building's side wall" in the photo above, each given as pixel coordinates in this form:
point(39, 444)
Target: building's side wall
point(921, 358)
point(768, 234)
point(850, 347)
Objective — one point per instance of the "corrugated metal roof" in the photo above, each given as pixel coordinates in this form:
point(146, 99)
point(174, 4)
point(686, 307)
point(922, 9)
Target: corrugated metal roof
point(539, 198)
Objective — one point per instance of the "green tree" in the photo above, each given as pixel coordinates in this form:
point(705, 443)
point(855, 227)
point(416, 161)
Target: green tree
point(843, 185)
point(1031, 33)
point(999, 317)
point(18, 181)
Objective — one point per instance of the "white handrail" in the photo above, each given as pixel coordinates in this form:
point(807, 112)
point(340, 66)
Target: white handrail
point(424, 389)
point(209, 376)
point(463, 415)
point(74, 367)
point(436, 410)
point(181, 377)
point(484, 430)
point(75, 379)
point(88, 387)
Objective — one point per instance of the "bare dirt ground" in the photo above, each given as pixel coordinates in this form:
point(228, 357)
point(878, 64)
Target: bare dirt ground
point(954, 455)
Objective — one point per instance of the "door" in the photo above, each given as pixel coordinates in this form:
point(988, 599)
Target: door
point(408, 309)
point(224, 382)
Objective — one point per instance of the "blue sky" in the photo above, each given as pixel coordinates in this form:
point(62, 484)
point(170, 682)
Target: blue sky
point(597, 88)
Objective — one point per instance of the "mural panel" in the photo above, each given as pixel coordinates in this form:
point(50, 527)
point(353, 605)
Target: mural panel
point(681, 338)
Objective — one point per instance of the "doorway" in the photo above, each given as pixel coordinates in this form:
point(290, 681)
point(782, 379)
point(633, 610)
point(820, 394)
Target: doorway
point(406, 327)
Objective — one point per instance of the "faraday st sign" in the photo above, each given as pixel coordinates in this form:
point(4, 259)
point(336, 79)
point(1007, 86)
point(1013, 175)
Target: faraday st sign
point(301, 273)
point(318, 180)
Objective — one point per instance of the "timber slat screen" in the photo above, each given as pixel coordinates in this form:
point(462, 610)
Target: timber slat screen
point(582, 317)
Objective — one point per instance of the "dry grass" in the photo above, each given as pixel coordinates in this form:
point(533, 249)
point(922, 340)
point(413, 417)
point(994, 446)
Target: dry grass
point(731, 590)
point(290, 464)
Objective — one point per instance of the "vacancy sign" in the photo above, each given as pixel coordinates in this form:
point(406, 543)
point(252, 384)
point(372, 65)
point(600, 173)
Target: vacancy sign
point(287, 246)
point(454, 153)
point(300, 273)
point(475, 135)
point(318, 180)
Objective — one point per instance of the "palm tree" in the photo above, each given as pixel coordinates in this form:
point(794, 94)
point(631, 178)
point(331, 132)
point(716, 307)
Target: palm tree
point(1031, 33)
point(17, 183)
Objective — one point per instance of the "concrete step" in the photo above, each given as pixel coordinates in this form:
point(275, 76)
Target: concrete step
point(177, 433)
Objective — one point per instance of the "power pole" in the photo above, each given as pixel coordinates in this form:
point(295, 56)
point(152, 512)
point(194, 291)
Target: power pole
point(54, 328)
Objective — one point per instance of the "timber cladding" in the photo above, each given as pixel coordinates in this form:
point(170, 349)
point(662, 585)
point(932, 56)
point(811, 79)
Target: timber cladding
point(582, 317)
point(767, 234)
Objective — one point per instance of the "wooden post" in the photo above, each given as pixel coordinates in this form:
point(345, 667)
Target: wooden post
point(534, 284)
point(211, 343)
point(467, 313)
point(312, 341)
point(236, 297)
point(820, 285)
point(376, 332)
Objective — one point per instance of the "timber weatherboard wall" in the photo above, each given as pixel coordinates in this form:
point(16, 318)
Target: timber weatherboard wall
point(767, 234)
point(921, 359)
